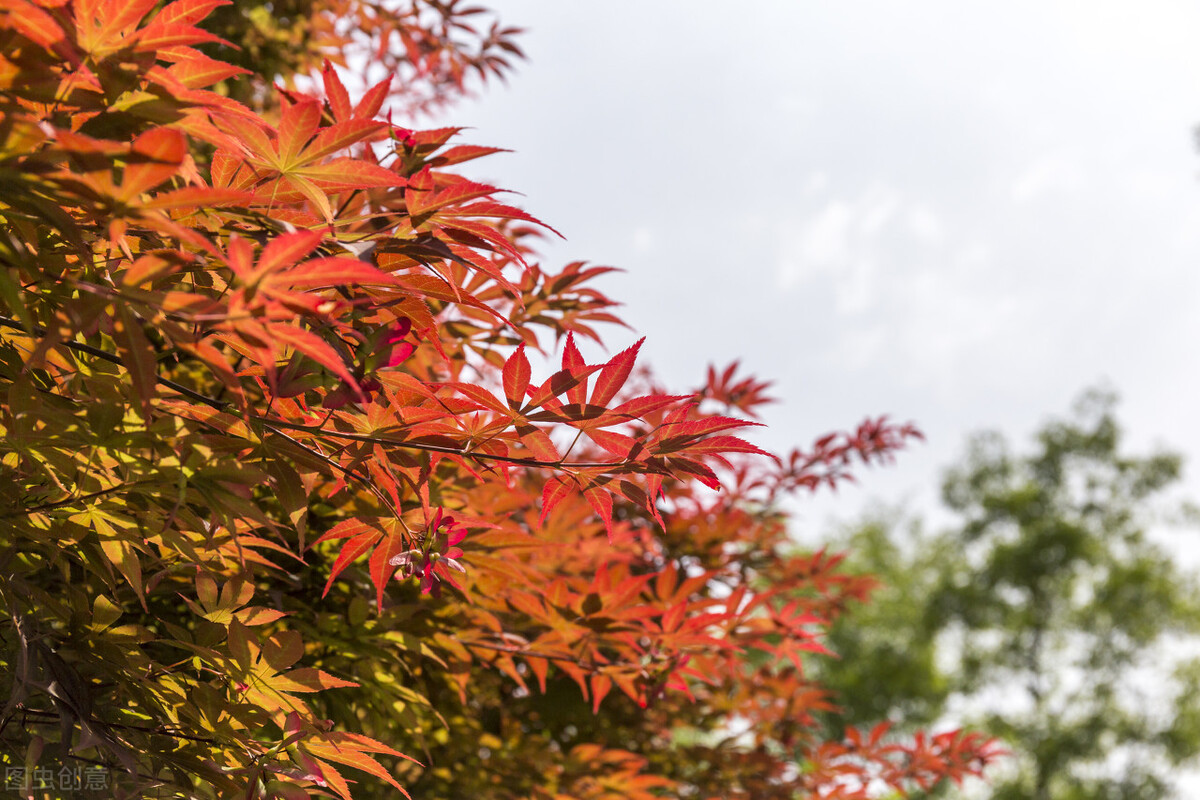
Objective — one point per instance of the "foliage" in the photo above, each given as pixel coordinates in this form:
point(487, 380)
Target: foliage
point(431, 46)
point(1050, 595)
point(890, 642)
point(287, 510)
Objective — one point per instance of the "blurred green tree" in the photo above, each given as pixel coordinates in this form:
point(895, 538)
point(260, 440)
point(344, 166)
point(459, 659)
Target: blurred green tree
point(1046, 616)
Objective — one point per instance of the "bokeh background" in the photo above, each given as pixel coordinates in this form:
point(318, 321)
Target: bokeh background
point(959, 214)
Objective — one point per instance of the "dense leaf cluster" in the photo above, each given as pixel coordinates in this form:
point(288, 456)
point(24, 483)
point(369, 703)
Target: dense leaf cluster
point(286, 509)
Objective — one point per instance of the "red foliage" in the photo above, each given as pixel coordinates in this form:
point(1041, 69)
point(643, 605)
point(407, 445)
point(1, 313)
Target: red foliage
point(318, 327)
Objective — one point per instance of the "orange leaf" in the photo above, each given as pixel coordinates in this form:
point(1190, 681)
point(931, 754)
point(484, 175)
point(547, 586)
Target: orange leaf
point(554, 492)
point(34, 24)
point(539, 443)
point(344, 754)
point(198, 197)
point(335, 93)
point(368, 107)
point(340, 136)
point(463, 152)
point(160, 36)
point(601, 503)
point(348, 174)
point(155, 157)
point(284, 250)
point(137, 355)
point(197, 70)
point(335, 271)
point(572, 361)
point(316, 348)
point(349, 553)
point(601, 684)
point(299, 122)
point(614, 374)
point(380, 564)
point(516, 377)
point(188, 12)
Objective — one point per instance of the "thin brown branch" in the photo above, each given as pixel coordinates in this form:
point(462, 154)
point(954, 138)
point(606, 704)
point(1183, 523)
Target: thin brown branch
point(517, 651)
point(222, 405)
point(80, 347)
point(158, 731)
point(71, 500)
point(437, 448)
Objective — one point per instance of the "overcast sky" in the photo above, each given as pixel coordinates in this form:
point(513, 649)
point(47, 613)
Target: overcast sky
point(956, 213)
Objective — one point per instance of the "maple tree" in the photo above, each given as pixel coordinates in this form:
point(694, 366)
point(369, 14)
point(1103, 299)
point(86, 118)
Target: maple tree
point(286, 508)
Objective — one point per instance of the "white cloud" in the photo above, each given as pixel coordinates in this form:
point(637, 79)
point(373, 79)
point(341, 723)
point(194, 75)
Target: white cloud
point(843, 243)
point(925, 225)
point(643, 240)
point(876, 209)
point(825, 241)
point(1045, 175)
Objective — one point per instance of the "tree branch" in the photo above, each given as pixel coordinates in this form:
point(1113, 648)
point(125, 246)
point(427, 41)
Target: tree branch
point(223, 405)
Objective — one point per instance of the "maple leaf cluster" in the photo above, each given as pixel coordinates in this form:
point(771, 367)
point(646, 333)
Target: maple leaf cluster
point(283, 494)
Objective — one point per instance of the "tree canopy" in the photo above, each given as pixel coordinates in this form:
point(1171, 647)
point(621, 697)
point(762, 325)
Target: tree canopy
point(306, 489)
point(1050, 593)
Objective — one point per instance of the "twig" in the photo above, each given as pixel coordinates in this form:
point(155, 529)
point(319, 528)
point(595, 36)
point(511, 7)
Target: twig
point(222, 405)
point(71, 500)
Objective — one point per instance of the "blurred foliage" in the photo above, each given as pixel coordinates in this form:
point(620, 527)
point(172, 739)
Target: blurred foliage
point(430, 48)
point(889, 644)
point(1047, 616)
